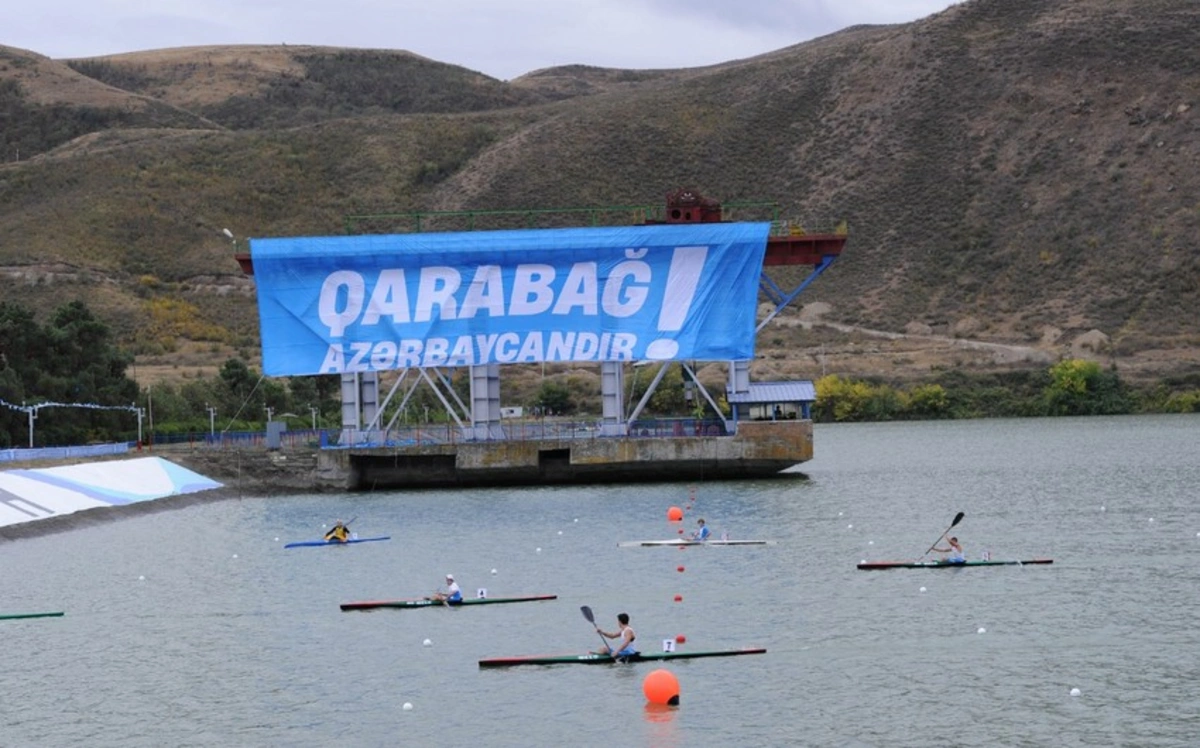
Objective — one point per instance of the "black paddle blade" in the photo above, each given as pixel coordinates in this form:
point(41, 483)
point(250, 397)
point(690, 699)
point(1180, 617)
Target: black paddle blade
point(587, 613)
point(957, 518)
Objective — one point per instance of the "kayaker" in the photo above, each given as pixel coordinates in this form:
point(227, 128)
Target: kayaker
point(338, 534)
point(453, 593)
point(954, 552)
point(625, 635)
point(702, 532)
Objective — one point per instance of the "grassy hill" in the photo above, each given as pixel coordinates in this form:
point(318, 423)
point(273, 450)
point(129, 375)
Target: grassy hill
point(1020, 172)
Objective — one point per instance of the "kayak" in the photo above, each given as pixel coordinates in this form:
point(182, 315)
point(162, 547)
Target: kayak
point(308, 543)
point(425, 602)
point(11, 616)
point(592, 658)
point(875, 565)
point(682, 541)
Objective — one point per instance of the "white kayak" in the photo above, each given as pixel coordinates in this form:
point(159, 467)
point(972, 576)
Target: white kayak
point(683, 541)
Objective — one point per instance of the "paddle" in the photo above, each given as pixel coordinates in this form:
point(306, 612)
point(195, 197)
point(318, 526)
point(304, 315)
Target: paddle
point(957, 518)
point(587, 613)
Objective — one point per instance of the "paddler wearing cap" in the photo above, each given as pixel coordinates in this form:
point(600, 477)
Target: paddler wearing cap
point(452, 595)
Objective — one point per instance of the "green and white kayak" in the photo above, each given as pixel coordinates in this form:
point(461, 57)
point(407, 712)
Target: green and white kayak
point(12, 616)
point(592, 658)
point(877, 565)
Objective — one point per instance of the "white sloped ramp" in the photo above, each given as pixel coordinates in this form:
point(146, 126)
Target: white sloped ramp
point(28, 495)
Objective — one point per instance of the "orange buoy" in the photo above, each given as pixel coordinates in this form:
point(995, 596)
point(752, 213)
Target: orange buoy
point(674, 514)
point(680, 639)
point(661, 687)
point(678, 568)
point(679, 598)
point(681, 531)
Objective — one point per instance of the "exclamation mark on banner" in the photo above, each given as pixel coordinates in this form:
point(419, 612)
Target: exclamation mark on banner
point(687, 263)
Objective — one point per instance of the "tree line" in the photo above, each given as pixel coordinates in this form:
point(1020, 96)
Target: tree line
point(73, 362)
point(1071, 387)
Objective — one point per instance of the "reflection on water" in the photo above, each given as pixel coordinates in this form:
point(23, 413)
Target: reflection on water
point(661, 728)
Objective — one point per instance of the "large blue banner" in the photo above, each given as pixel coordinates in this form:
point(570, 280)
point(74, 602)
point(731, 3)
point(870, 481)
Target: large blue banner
point(329, 305)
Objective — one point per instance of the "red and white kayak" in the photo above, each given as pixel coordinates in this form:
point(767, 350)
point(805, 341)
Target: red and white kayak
point(593, 658)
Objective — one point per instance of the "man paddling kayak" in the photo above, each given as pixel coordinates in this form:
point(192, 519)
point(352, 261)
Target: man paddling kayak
point(452, 595)
point(340, 533)
point(955, 552)
point(625, 635)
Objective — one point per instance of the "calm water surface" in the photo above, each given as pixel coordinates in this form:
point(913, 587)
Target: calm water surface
point(194, 627)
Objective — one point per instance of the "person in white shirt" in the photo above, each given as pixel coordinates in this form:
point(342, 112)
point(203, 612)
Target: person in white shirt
point(954, 554)
point(452, 595)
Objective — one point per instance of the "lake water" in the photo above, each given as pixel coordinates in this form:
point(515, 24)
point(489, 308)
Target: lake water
point(194, 627)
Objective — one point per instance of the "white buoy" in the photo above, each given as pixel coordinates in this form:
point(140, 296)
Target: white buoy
point(1075, 692)
point(870, 542)
point(981, 630)
point(141, 578)
point(576, 519)
point(276, 540)
point(493, 571)
point(849, 527)
point(839, 514)
point(539, 550)
point(560, 532)
point(407, 706)
point(1151, 519)
point(235, 555)
point(427, 643)
point(1102, 508)
point(922, 589)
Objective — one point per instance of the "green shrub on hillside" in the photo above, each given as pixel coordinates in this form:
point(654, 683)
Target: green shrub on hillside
point(1081, 388)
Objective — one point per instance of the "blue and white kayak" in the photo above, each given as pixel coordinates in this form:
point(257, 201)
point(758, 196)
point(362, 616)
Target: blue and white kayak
point(313, 543)
point(425, 602)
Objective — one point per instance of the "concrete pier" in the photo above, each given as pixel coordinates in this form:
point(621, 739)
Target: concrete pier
point(758, 450)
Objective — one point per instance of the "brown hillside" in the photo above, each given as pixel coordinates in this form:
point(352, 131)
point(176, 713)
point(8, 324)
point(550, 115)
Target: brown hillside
point(249, 86)
point(43, 104)
point(1019, 176)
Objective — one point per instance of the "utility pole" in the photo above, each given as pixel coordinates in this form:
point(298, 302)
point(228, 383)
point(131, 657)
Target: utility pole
point(270, 412)
point(150, 408)
point(212, 419)
point(32, 411)
point(313, 409)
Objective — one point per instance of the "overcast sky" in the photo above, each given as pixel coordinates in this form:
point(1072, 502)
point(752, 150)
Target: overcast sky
point(501, 38)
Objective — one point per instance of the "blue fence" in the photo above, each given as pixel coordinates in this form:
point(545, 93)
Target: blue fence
point(63, 453)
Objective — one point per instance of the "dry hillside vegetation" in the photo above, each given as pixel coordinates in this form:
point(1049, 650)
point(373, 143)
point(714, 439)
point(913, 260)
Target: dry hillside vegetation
point(1021, 178)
